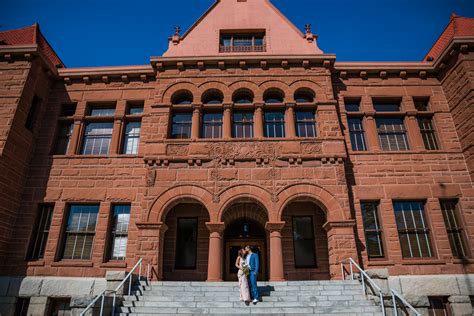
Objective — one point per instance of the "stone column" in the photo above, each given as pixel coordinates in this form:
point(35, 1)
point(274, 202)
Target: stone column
point(341, 245)
point(76, 134)
point(196, 122)
point(276, 252)
point(258, 121)
point(371, 133)
point(290, 120)
point(227, 121)
point(413, 131)
point(214, 270)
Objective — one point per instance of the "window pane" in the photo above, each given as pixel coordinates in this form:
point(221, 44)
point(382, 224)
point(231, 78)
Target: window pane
point(421, 104)
point(274, 124)
point(80, 231)
point(392, 134)
point(357, 135)
point(60, 307)
point(352, 106)
point(121, 219)
point(64, 138)
point(212, 125)
point(32, 113)
point(387, 106)
point(186, 243)
point(41, 232)
point(135, 109)
point(428, 133)
point(22, 304)
point(305, 124)
point(453, 227)
point(97, 137)
point(131, 138)
point(373, 231)
point(181, 126)
point(412, 229)
point(303, 242)
point(102, 111)
point(68, 109)
point(242, 125)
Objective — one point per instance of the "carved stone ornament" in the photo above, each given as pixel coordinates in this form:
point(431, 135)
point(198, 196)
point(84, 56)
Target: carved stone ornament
point(177, 150)
point(243, 151)
point(311, 148)
point(150, 177)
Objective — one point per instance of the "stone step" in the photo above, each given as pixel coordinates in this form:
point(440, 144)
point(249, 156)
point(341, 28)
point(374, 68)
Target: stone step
point(262, 283)
point(261, 288)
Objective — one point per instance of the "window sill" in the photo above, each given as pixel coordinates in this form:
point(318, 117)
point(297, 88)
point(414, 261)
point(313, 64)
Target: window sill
point(422, 261)
point(35, 263)
point(376, 263)
point(95, 156)
point(114, 264)
point(462, 261)
point(73, 263)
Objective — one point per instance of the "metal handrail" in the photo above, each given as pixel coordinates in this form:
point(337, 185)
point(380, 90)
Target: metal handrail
point(127, 277)
point(365, 276)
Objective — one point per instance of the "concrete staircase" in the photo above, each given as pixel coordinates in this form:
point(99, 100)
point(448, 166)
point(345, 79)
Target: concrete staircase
point(278, 298)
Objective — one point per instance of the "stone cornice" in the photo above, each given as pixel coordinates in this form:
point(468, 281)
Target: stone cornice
point(99, 72)
point(27, 52)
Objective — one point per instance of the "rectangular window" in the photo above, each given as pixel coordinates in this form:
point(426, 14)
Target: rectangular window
point(80, 231)
point(439, 306)
point(41, 232)
point(186, 243)
point(453, 227)
point(243, 125)
point(120, 222)
point(68, 109)
point(22, 304)
point(181, 125)
point(64, 138)
point(422, 104)
point(102, 110)
point(59, 307)
point(305, 124)
point(357, 134)
point(413, 230)
point(392, 134)
point(303, 242)
point(212, 125)
point(97, 137)
point(389, 105)
point(33, 113)
point(135, 108)
point(428, 133)
point(131, 138)
point(242, 42)
point(372, 230)
point(274, 124)
point(352, 105)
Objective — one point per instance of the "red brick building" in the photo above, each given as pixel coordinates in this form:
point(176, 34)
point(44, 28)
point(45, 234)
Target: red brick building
point(243, 132)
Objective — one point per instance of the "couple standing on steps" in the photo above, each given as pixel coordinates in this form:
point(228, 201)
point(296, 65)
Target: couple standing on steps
point(248, 262)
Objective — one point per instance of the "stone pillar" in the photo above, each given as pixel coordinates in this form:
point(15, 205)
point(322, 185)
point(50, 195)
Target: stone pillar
point(214, 270)
point(371, 133)
point(258, 121)
point(38, 306)
point(76, 134)
point(116, 133)
point(227, 121)
point(150, 248)
point(196, 122)
point(290, 120)
point(276, 253)
point(413, 131)
point(341, 245)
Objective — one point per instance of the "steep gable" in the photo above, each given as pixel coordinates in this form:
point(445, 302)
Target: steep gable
point(281, 36)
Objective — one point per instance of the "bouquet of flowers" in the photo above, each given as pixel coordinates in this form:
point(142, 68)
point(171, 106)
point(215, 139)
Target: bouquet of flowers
point(245, 268)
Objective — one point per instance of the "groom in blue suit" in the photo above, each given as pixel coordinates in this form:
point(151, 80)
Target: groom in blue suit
point(253, 264)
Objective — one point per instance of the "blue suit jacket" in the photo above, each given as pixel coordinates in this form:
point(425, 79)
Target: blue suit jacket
point(254, 263)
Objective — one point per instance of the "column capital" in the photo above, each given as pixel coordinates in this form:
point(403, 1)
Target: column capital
point(412, 114)
point(290, 105)
point(162, 227)
point(228, 106)
point(197, 106)
point(274, 226)
point(339, 224)
point(259, 105)
point(215, 227)
point(370, 114)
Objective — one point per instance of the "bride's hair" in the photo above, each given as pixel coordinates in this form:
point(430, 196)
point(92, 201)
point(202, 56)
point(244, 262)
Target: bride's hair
point(241, 253)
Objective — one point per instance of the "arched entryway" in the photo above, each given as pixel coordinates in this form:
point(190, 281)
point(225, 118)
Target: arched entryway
point(305, 242)
point(186, 243)
point(245, 225)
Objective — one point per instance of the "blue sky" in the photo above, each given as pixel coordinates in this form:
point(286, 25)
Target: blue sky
point(127, 32)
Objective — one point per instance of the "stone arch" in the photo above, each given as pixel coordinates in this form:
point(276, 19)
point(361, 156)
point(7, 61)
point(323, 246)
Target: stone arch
point(216, 85)
point(245, 208)
point(274, 84)
point(311, 192)
point(320, 94)
point(176, 195)
point(175, 87)
point(244, 84)
point(245, 193)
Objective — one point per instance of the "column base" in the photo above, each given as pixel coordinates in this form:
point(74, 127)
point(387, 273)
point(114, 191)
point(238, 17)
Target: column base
point(215, 280)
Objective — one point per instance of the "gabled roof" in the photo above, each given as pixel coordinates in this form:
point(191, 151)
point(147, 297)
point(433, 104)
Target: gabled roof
point(202, 38)
point(30, 35)
point(458, 27)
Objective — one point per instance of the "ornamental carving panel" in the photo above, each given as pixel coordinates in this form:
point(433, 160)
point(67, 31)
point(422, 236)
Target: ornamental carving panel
point(311, 148)
point(177, 150)
point(244, 151)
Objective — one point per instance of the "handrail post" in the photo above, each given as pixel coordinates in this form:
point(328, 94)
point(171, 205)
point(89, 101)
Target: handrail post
point(113, 303)
point(394, 300)
point(352, 271)
point(130, 284)
point(102, 304)
point(148, 274)
point(382, 303)
point(363, 283)
point(342, 270)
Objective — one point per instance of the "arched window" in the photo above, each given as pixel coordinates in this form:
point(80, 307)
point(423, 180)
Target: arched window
point(273, 96)
point(304, 96)
point(182, 97)
point(212, 97)
point(243, 96)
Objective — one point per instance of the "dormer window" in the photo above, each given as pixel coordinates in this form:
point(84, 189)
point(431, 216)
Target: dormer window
point(242, 42)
